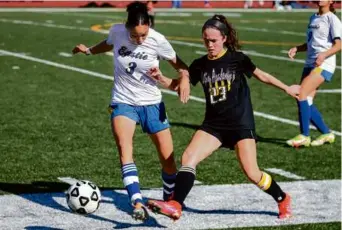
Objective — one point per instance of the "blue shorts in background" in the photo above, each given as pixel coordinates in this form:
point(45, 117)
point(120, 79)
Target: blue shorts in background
point(152, 118)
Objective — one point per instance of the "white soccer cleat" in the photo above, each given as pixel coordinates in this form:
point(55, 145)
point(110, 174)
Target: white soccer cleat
point(324, 138)
point(299, 140)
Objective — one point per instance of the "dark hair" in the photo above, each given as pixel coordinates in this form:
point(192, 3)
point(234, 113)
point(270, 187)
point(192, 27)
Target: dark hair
point(137, 14)
point(332, 8)
point(220, 23)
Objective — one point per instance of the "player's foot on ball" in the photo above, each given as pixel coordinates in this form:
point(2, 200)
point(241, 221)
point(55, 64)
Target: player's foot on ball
point(170, 208)
point(140, 212)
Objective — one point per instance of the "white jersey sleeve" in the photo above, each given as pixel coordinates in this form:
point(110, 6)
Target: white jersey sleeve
point(335, 27)
point(165, 50)
point(110, 38)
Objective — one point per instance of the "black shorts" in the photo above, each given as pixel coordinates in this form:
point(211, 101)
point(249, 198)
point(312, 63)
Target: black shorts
point(229, 138)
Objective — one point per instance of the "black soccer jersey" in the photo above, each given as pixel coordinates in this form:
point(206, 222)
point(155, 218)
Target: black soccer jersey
point(228, 102)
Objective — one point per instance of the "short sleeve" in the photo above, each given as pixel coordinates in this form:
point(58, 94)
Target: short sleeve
point(165, 50)
point(110, 38)
point(194, 73)
point(248, 66)
point(335, 28)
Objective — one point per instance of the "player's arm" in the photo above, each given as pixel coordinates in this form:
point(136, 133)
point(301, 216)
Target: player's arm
point(182, 84)
point(101, 47)
point(333, 50)
point(164, 81)
point(294, 50)
point(271, 80)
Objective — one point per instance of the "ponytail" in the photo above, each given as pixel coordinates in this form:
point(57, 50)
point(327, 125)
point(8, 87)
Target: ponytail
point(332, 8)
point(137, 14)
point(220, 23)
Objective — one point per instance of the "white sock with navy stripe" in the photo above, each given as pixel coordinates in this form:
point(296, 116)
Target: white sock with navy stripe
point(131, 182)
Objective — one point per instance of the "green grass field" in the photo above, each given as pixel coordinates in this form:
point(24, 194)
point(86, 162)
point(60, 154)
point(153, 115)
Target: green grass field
point(54, 122)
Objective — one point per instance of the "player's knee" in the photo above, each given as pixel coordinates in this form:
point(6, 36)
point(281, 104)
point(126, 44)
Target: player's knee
point(189, 158)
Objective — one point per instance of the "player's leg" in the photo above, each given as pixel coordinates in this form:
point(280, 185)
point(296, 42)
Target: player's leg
point(124, 121)
point(247, 156)
point(309, 84)
point(164, 145)
point(201, 146)
point(317, 118)
point(154, 122)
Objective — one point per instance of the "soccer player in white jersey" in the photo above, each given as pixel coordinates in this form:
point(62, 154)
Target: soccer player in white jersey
point(323, 42)
point(137, 99)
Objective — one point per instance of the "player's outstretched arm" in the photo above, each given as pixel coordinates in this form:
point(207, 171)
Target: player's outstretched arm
point(101, 47)
point(270, 80)
point(166, 82)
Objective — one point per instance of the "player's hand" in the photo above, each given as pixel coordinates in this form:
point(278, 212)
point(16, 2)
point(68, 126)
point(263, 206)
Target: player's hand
point(320, 59)
point(184, 87)
point(79, 49)
point(293, 91)
point(292, 52)
point(155, 73)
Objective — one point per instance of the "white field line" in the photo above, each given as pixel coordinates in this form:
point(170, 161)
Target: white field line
point(253, 53)
point(80, 14)
point(25, 22)
point(104, 76)
point(68, 180)
point(329, 91)
point(285, 173)
point(231, 15)
point(207, 207)
point(174, 22)
point(64, 54)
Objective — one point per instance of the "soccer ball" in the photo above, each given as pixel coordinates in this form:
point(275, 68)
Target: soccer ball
point(83, 197)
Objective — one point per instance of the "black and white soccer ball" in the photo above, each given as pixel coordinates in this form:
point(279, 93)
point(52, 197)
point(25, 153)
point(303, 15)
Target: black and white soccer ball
point(83, 197)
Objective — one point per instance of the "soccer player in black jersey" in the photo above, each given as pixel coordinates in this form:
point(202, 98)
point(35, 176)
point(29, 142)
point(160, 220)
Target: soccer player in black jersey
point(229, 120)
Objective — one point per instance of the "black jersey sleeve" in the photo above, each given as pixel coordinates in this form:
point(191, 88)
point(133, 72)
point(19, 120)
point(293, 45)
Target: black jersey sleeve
point(195, 73)
point(248, 66)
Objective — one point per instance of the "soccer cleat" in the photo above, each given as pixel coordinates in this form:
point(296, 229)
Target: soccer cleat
point(284, 207)
point(299, 140)
point(324, 138)
point(140, 212)
point(170, 208)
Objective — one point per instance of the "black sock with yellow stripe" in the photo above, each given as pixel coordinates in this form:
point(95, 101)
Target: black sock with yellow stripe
point(271, 187)
point(184, 181)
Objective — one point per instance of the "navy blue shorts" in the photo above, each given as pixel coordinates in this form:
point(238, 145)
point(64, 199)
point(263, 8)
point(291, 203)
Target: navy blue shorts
point(152, 118)
point(229, 138)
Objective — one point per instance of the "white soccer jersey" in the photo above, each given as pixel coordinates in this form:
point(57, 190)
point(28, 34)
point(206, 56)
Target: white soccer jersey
point(131, 84)
point(322, 30)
